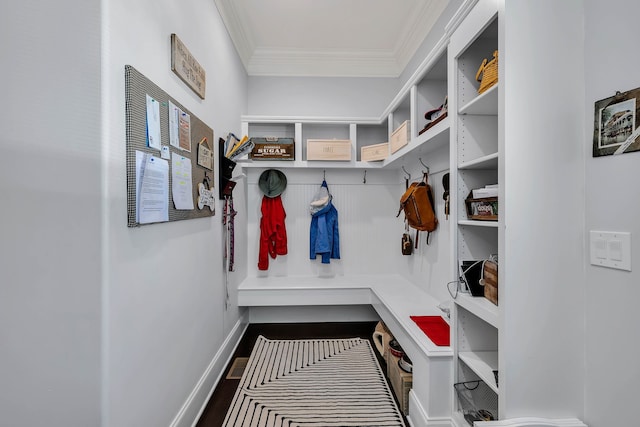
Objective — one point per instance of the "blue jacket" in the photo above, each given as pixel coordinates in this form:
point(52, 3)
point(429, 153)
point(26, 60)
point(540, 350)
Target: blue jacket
point(324, 237)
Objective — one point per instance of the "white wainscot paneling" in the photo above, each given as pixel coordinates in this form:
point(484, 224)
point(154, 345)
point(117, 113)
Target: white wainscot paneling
point(366, 218)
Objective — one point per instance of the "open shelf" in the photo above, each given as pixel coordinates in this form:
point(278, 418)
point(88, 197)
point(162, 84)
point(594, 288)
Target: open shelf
point(481, 307)
point(485, 104)
point(434, 138)
point(486, 162)
point(477, 223)
point(483, 363)
point(310, 164)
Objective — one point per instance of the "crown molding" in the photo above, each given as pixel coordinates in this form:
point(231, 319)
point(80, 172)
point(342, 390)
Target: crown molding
point(242, 41)
point(459, 16)
point(330, 62)
point(417, 30)
point(323, 63)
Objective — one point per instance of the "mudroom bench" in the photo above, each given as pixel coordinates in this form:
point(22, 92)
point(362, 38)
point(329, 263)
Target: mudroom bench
point(395, 299)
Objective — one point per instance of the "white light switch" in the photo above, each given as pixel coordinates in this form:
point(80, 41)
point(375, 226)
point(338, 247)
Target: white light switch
point(615, 250)
point(611, 249)
point(600, 246)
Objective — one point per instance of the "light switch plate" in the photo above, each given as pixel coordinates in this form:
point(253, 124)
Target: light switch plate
point(610, 249)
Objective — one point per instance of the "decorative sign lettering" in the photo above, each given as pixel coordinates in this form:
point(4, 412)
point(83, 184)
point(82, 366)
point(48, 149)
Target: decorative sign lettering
point(272, 148)
point(186, 66)
point(205, 197)
point(205, 154)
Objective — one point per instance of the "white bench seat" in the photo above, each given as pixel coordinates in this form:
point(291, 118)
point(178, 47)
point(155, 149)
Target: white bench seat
point(395, 299)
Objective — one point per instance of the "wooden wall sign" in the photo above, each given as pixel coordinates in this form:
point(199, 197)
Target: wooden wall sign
point(186, 66)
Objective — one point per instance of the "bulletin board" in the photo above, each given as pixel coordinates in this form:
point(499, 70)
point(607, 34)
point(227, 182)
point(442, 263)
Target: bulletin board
point(137, 87)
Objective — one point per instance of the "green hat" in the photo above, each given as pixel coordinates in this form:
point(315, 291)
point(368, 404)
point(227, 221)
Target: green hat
point(272, 182)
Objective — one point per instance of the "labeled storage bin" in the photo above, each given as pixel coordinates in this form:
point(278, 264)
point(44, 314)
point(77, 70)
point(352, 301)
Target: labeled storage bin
point(329, 149)
point(273, 148)
point(476, 401)
point(485, 209)
point(401, 136)
point(375, 152)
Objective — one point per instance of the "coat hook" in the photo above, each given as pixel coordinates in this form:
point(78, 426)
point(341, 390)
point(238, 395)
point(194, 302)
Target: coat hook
point(364, 181)
point(420, 158)
point(324, 174)
point(408, 174)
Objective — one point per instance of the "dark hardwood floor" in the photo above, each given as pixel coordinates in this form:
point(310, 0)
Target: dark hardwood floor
point(216, 409)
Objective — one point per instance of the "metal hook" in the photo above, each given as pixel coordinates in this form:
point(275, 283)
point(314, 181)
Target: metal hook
point(408, 174)
point(324, 174)
point(364, 181)
point(422, 163)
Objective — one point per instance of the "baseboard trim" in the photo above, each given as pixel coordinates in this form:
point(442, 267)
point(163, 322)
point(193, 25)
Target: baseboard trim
point(534, 422)
point(418, 416)
point(197, 400)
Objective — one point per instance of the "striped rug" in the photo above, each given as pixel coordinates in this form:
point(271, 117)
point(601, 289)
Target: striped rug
point(334, 382)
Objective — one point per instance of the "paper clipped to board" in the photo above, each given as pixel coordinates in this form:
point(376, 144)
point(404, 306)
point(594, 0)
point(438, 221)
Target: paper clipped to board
point(181, 182)
point(152, 188)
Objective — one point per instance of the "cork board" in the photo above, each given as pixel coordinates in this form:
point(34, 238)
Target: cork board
point(137, 87)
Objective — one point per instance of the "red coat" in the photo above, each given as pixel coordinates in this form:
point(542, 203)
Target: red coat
point(273, 233)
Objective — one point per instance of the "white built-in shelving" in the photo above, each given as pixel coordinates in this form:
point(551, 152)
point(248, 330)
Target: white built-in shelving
point(426, 90)
point(475, 163)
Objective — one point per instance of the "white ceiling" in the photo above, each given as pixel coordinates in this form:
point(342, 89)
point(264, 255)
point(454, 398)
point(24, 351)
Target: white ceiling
point(359, 38)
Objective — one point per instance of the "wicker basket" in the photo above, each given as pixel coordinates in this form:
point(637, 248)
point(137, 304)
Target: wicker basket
point(487, 74)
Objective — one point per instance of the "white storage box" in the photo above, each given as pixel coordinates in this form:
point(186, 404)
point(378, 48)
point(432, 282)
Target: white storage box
point(329, 149)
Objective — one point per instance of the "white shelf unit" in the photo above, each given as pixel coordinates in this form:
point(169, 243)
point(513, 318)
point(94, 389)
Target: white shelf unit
point(475, 163)
point(426, 90)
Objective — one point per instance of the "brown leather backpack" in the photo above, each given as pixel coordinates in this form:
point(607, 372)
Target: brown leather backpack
point(417, 204)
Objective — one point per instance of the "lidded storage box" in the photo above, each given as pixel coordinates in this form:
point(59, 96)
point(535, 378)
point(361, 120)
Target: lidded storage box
point(329, 149)
point(401, 136)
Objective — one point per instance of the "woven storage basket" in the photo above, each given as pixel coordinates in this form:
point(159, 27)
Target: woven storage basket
point(487, 74)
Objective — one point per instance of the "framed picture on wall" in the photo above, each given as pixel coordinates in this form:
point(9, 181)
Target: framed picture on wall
point(616, 129)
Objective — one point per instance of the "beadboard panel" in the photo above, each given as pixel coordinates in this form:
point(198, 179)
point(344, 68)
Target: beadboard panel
point(368, 226)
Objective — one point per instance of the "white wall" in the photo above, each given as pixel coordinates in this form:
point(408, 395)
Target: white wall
point(542, 330)
point(164, 312)
point(369, 236)
point(338, 96)
point(50, 178)
point(429, 266)
point(321, 97)
point(612, 204)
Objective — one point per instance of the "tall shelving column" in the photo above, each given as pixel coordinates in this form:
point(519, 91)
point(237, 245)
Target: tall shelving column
point(475, 158)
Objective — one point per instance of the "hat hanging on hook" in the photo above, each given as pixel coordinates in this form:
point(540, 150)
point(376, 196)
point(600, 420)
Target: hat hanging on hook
point(272, 182)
